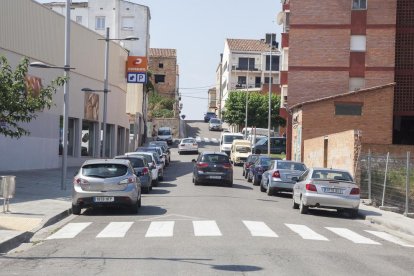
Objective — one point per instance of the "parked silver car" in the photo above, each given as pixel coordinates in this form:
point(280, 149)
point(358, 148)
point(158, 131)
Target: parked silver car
point(103, 182)
point(279, 176)
point(326, 188)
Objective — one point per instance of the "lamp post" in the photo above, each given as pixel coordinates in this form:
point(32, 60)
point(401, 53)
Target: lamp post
point(105, 90)
point(66, 69)
point(247, 97)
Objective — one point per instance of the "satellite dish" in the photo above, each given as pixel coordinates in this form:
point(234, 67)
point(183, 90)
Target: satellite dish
point(281, 18)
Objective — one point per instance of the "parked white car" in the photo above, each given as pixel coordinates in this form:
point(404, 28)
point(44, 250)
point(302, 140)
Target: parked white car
point(188, 145)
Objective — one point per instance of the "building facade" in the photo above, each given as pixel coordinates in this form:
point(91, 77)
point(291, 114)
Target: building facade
point(212, 100)
point(333, 47)
point(124, 19)
point(42, 149)
point(246, 66)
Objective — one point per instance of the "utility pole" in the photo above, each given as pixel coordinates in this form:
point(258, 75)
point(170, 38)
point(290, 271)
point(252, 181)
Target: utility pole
point(247, 96)
point(221, 85)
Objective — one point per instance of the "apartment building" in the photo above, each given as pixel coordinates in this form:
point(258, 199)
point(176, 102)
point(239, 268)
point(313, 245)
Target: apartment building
point(212, 100)
point(165, 73)
point(249, 65)
point(334, 47)
point(124, 19)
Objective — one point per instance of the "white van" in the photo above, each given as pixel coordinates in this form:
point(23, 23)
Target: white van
point(227, 139)
point(240, 150)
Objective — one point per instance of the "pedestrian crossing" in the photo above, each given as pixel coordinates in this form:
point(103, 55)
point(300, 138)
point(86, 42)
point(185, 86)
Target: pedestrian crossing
point(206, 140)
point(210, 228)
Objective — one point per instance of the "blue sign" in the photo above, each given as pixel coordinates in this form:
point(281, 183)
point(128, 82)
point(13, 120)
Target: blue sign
point(137, 77)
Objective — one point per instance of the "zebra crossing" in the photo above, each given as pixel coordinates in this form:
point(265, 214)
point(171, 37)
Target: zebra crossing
point(210, 228)
point(206, 140)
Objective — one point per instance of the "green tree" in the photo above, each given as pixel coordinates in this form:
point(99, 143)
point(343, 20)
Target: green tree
point(258, 109)
point(18, 103)
point(160, 106)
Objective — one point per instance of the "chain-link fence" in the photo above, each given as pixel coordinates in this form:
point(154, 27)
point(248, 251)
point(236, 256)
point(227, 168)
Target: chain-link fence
point(388, 180)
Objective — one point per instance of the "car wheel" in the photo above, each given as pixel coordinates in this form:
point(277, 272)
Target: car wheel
point(249, 179)
point(196, 182)
point(76, 209)
point(230, 183)
point(269, 190)
point(139, 202)
point(255, 181)
point(353, 213)
point(150, 187)
point(303, 209)
point(262, 189)
point(155, 182)
point(295, 205)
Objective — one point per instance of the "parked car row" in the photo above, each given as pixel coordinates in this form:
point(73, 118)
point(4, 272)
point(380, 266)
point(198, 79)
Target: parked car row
point(310, 187)
point(121, 180)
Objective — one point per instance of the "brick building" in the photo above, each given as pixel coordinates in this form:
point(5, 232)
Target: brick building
point(163, 65)
point(333, 47)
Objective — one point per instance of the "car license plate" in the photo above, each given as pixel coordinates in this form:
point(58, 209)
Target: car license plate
point(215, 176)
point(103, 199)
point(333, 190)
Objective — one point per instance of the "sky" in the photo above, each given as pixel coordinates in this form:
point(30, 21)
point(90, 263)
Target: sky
point(197, 29)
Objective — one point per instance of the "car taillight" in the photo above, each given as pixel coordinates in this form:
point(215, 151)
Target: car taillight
point(276, 174)
point(195, 144)
point(248, 165)
point(145, 171)
point(227, 166)
point(355, 191)
point(127, 181)
point(80, 181)
point(310, 187)
point(202, 165)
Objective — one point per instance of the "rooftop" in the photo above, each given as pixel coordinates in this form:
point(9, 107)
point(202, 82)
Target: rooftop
point(158, 52)
point(248, 45)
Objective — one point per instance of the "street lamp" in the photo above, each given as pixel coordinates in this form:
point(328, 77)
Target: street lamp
point(247, 97)
point(105, 90)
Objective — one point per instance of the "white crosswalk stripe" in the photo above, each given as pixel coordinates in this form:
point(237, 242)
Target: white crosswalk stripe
point(198, 139)
point(390, 238)
point(69, 231)
point(352, 236)
point(115, 230)
point(305, 232)
point(214, 140)
point(206, 228)
point(207, 140)
point(160, 229)
point(259, 229)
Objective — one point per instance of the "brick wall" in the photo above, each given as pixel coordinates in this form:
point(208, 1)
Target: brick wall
point(400, 150)
point(320, 12)
point(169, 69)
point(381, 12)
point(380, 48)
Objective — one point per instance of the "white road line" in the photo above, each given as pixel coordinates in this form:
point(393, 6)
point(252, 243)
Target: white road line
point(350, 235)
point(69, 231)
point(115, 230)
point(206, 228)
point(198, 139)
point(305, 232)
point(207, 140)
point(214, 140)
point(160, 229)
point(259, 229)
point(390, 238)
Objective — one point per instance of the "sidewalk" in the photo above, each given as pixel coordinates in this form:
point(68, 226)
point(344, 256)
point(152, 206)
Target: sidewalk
point(39, 202)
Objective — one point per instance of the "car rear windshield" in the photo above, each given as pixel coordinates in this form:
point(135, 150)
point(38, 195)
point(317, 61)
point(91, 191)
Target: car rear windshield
point(331, 175)
point(265, 161)
point(215, 121)
point(228, 139)
point(215, 158)
point(252, 158)
point(135, 162)
point(243, 149)
point(104, 170)
point(147, 157)
point(164, 132)
point(291, 166)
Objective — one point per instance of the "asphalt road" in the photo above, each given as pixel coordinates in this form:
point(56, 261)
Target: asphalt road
point(183, 229)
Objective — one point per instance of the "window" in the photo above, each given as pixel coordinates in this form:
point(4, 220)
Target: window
point(358, 43)
point(160, 65)
point(267, 80)
point(159, 78)
point(356, 83)
point(79, 19)
point(71, 136)
point(359, 4)
point(246, 64)
point(349, 109)
point(99, 22)
point(88, 138)
point(241, 80)
point(275, 63)
point(128, 23)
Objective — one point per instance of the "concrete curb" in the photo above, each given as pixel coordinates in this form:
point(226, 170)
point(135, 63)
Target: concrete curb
point(24, 237)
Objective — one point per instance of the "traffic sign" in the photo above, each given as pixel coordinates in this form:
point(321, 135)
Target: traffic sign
point(137, 77)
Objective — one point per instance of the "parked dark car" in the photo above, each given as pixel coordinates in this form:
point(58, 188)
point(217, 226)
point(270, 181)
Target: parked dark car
point(208, 116)
point(213, 167)
point(277, 145)
point(250, 160)
point(256, 170)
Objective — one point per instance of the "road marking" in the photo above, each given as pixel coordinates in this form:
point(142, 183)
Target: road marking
point(198, 139)
point(390, 238)
point(69, 231)
point(350, 235)
point(206, 228)
point(115, 230)
point(160, 229)
point(305, 232)
point(259, 229)
point(214, 140)
point(207, 140)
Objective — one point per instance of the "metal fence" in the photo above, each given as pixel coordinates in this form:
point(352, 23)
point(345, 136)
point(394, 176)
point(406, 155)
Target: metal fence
point(388, 180)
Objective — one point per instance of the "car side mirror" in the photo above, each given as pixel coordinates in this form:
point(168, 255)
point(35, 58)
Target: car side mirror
point(193, 161)
point(295, 178)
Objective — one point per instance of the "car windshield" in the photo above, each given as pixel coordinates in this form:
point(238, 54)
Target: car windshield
point(104, 170)
point(265, 161)
point(215, 121)
point(228, 139)
point(331, 175)
point(164, 132)
point(243, 149)
point(135, 162)
point(215, 158)
point(291, 166)
point(261, 141)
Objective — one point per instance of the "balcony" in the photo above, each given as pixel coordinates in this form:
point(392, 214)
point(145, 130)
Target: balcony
point(244, 68)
